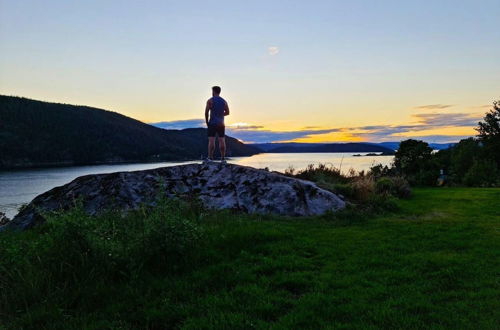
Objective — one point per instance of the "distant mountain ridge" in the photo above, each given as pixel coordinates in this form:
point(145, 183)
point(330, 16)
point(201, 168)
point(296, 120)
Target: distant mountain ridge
point(36, 133)
point(384, 147)
point(322, 147)
point(435, 146)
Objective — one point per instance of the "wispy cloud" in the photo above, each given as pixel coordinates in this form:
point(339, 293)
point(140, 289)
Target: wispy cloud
point(433, 106)
point(244, 126)
point(273, 50)
point(447, 119)
point(424, 122)
point(434, 138)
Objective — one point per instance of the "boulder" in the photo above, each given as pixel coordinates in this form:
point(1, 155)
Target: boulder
point(217, 187)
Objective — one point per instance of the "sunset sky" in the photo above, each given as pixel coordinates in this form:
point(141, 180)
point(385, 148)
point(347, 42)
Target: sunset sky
point(310, 71)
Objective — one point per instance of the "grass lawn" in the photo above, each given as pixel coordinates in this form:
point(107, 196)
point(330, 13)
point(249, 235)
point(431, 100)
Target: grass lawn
point(434, 263)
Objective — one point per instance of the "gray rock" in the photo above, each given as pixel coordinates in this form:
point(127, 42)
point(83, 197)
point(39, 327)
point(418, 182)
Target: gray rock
point(217, 187)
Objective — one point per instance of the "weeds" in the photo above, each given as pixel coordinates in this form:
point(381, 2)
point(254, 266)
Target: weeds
point(373, 190)
point(44, 264)
point(432, 263)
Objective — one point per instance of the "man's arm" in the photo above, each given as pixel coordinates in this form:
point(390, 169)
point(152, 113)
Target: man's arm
point(226, 110)
point(207, 109)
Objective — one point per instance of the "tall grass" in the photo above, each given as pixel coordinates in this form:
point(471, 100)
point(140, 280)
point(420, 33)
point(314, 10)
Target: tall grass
point(363, 188)
point(71, 260)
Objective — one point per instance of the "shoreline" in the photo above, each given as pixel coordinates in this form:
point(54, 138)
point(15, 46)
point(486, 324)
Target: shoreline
point(97, 163)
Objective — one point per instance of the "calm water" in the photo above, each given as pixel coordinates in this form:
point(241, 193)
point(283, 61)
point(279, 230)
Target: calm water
point(21, 186)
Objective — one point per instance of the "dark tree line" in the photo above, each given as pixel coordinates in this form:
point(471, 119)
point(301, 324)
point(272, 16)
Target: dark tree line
point(473, 162)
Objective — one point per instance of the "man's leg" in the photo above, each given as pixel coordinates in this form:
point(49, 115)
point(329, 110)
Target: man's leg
point(211, 147)
point(222, 147)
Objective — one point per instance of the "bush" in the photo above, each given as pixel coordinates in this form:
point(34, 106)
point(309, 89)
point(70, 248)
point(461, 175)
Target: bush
point(344, 189)
point(356, 186)
point(363, 187)
point(320, 173)
point(425, 177)
point(384, 186)
point(380, 170)
point(482, 173)
point(396, 186)
point(401, 187)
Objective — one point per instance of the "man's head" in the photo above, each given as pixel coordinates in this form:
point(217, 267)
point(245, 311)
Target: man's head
point(215, 90)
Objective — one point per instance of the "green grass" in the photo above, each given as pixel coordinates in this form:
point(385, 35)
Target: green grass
point(433, 263)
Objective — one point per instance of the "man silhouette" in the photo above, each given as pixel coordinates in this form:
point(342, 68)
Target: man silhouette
point(217, 108)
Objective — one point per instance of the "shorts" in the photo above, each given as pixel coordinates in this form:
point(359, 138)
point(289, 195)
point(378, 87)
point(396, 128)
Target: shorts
point(219, 129)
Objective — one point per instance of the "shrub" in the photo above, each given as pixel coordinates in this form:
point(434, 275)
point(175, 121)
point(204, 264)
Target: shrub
point(363, 187)
point(380, 170)
point(320, 173)
point(425, 177)
point(344, 189)
point(483, 172)
point(401, 187)
point(356, 186)
point(396, 186)
point(384, 185)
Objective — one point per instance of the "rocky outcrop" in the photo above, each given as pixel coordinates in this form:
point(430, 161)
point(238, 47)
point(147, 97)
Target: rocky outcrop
point(217, 187)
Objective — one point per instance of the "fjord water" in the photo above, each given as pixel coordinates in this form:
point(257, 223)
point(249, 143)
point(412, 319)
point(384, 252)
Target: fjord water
point(21, 186)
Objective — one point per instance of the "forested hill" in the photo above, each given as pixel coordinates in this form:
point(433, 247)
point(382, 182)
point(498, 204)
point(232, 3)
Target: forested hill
point(36, 133)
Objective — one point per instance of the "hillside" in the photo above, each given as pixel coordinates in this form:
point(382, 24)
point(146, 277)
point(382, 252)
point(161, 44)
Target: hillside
point(435, 146)
point(388, 147)
point(323, 147)
point(35, 133)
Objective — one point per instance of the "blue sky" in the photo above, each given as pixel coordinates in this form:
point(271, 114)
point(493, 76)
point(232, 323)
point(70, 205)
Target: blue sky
point(339, 68)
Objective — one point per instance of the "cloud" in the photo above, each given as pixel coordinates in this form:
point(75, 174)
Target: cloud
point(180, 124)
point(424, 122)
point(265, 136)
point(438, 138)
point(273, 50)
point(447, 119)
point(237, 126)
point(433, 106)
point(310, 127)
point(245, 127)
point(374, 133)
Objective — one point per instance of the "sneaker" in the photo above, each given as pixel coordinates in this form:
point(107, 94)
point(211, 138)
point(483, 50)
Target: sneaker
point(223, 161)
point(207, 161)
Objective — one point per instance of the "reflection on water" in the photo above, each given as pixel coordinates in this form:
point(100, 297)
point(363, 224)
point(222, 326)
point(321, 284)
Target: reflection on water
point(344, 161)
point(21, 186)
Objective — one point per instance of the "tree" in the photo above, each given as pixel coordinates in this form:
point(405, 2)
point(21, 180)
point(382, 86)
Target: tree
point(489, 133)
point(413, 159)
point(463, 156)
point(490, 128)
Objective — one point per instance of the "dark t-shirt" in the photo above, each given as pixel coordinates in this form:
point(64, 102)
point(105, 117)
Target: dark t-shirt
point(217, 111)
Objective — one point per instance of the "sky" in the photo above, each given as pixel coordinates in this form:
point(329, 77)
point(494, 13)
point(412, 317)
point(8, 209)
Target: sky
point(304, 71)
